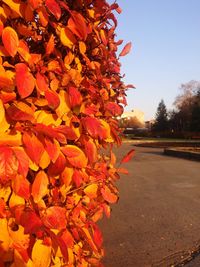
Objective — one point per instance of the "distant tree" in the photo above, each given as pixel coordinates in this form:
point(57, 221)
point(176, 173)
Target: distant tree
point(161, 119)
point(187, 112)
point(195, 116)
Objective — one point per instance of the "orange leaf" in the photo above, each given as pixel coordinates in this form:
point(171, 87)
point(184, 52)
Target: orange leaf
point(50, 45)
point(21, 186)
point(122, 170)
point(52, 98)
point(41, 82)
point(8, 164)
point(108, 195)
point(54, 8)
point(75, 156)
point(22, 159)
point(66, 176)
point(24, 80)
point(128, 156)
point(34, 148)
point(55, 218)
point(40, 186)
point(52, 149)
point(82, 47)
point(126, 49)
point(75, 98)
point(10, 40)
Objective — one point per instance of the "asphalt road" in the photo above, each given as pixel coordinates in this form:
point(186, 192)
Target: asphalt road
point(157, 219)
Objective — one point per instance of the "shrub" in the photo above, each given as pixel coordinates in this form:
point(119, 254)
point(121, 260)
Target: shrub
point(60, 91)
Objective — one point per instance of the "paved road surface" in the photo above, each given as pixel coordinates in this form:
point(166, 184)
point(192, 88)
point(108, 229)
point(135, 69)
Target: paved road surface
point(157, 220)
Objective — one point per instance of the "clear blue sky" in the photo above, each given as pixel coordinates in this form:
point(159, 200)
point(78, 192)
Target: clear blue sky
point(166, 49)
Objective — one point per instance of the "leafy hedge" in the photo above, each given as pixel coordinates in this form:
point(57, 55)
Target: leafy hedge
point(60, 91)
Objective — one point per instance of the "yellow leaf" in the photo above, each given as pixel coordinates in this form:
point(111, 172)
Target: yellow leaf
point(16, 201)
point(4, 238)
point(16, 6)
point(5, 192)
point(2, 111)
point(67, 37)
point(45, 160)
point(64, 104)
point(11, 140)
point(91, 190)
point(41, 255)
point(47, 118)
point(4, 126)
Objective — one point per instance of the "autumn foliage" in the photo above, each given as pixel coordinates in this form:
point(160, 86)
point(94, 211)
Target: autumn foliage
point(60, 91)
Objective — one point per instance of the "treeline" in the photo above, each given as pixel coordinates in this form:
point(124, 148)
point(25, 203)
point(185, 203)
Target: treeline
point(184, 119)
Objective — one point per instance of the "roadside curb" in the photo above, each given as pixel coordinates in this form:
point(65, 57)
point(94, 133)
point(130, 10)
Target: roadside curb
point(182, 153)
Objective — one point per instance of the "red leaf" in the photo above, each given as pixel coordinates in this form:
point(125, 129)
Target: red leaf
point(34, 148)
point(8, 164)
point(54, 8)
point(78, 25)
point(50, 132)
point(97, 236)
point(34, 3)
point(30, 221)
point(21, 186)
point(128, 156)
point(55, 218)
point(126, 49)
point(77, 177)
point(92, 126)
point(22, 159)
point(10, 40)
point(24, 80)
point(75, 98)
point(40, 186)
point(57, 167)
point(91, 151)
point(52, 98)
point(67, 131)
point(18, 112)
point(114, 109)
point(66, 239)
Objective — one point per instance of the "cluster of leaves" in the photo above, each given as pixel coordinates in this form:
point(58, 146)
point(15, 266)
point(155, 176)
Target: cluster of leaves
point(60, 91)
